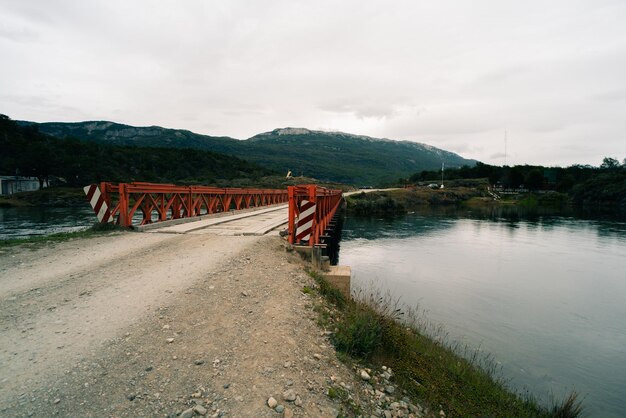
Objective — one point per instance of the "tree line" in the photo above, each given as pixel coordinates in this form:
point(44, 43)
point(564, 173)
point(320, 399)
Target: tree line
point(586, 184)
point(24, 151)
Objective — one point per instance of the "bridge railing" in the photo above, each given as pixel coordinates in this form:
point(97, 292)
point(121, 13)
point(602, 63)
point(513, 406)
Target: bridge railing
point(121, 203)
point(311, 209)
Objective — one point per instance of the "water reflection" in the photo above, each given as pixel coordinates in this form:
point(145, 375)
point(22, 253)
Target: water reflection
point(545, 294)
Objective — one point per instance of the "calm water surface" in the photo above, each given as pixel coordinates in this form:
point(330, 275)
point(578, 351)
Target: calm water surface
point(34, 221)
point(546, 297)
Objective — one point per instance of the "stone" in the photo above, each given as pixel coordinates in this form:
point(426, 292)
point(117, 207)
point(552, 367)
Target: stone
point(288, 413)
point(390, 389)
point(56, 401)
point(149, 368)
point(187, 413)
point(198, 362)
point(271, 402)
point(289, 395)
point(317, 356)
point(200, 410)
point(280, 409)
point(226, 385)
point(442, 414)
point(131, 397)
point(170, 340)
point(287, 364)
point(365, 375)
point(298, 401)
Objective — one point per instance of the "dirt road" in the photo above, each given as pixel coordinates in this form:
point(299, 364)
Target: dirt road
point(139, 324)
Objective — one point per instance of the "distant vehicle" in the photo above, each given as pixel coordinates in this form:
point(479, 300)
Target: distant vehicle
point(367, 187)
point(433, 186)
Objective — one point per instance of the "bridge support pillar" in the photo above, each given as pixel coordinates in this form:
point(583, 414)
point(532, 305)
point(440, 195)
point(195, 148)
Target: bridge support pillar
point(339, 277)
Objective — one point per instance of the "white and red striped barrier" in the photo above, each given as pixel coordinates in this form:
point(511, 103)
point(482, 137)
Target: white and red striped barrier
point(311, 209)
point(304, 225)
point(98, 203)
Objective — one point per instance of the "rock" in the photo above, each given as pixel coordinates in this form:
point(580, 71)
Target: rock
point(244, 293)
point(280, 409)
point(149, 368)
point(166, 326)
point(200, 410)
point(56, 401)
point(226, 385)
point(365, 375)
point(298, 401)
point(131, 397)
point(317, 356)
point(390, 389)
point(442, 414)
point(288, 413)
point(187, 413)
point(287, 364)
point(271, 402)
point(198, 362)
point(170, 340)
point(289, 395)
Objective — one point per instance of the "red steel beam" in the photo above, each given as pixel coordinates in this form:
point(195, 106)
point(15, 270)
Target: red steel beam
point(168, 201)
point(326, 202)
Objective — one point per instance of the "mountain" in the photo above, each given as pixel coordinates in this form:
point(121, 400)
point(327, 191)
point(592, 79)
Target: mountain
point(334, 156)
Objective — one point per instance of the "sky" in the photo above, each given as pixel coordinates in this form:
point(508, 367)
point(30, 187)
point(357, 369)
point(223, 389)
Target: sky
point(453, 74)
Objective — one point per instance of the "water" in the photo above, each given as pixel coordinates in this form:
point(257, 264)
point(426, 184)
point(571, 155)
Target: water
point(546, 297)
point(24, 222)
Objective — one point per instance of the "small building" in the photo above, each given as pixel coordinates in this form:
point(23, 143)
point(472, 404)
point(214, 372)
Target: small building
point(16, 184)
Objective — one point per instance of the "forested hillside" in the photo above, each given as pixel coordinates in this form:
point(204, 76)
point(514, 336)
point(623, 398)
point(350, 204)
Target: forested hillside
point(27, 152)
point(328, 156)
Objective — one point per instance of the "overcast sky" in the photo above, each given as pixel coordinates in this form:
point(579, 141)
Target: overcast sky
point(453, 74)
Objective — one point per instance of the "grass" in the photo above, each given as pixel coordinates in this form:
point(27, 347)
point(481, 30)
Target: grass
point(428, 368)
point(97, 229)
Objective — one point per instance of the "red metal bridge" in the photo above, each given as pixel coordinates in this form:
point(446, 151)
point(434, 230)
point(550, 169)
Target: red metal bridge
point(308, 214)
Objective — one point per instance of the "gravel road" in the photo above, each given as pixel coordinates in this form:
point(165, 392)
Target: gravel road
point(136, 324)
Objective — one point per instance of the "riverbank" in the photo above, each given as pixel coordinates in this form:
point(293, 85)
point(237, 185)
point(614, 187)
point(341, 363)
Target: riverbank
point(50, 197)
point(402, 201)
point(379, 332)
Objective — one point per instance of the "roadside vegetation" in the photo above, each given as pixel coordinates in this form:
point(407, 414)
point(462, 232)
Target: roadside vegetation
point(377, 331)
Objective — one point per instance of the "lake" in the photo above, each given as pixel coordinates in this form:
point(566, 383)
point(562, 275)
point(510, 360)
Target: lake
point(545, 295)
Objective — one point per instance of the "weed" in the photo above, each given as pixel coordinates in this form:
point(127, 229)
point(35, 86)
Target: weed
point(428, 366)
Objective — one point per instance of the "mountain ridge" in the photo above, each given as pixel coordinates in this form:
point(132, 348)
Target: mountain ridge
point(326, 155)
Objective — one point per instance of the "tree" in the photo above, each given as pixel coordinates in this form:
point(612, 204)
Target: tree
point(609, 163)
point(533, 179)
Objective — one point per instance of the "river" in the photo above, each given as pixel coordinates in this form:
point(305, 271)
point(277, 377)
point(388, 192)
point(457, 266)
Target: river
point(546, 296)
point(23, 222)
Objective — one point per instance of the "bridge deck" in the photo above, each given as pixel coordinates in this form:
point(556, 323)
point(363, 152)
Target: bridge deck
point(258, 222)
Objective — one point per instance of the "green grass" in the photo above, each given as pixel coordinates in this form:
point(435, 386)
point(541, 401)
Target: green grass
point(431, 370)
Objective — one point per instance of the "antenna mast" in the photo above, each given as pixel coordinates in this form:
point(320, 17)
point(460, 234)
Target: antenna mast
point(505, 147)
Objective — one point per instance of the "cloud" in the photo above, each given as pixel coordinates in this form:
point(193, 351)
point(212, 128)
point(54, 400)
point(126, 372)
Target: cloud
point(552, 74)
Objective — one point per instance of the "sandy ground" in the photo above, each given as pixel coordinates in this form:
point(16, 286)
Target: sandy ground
point(138, 324)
